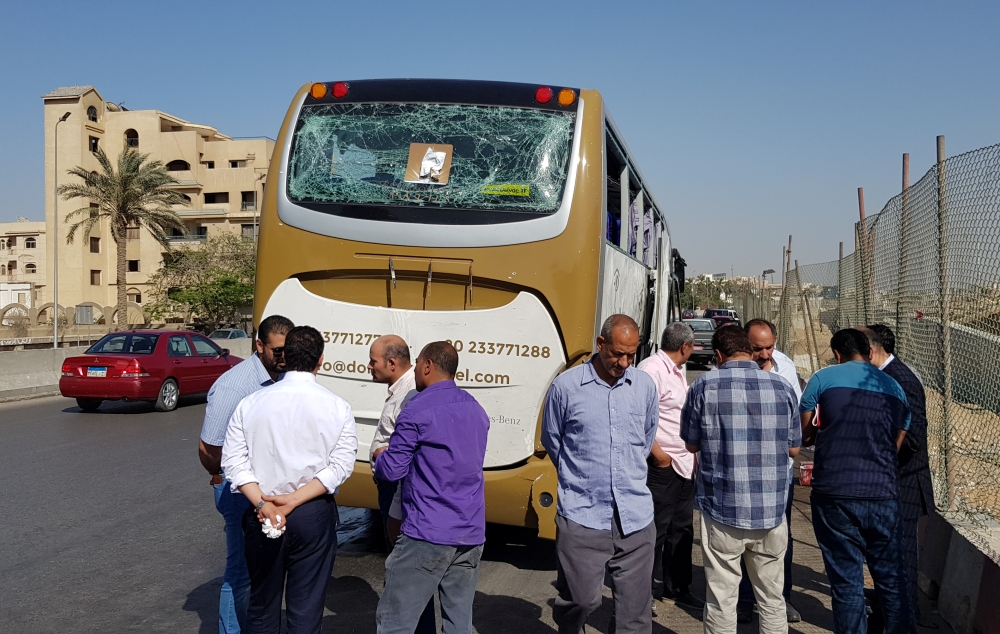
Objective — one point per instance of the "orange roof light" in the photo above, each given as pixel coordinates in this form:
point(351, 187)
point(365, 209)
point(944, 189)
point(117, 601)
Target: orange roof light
point(318, 91)
point(566, 97)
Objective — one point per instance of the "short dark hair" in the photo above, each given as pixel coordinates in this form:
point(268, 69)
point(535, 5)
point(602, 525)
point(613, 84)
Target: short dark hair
point(442, 354)
point(886, 337)
point(616, 321)
point(396, 351)
point(731, 340)
point(275, 323)
point(850, 342)
point(303, 349)
point(760, 322)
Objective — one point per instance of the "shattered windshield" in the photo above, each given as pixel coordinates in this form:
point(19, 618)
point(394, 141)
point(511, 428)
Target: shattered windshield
point(431, 155)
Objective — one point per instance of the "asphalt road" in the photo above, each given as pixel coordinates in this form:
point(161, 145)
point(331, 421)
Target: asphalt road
point(109, 525)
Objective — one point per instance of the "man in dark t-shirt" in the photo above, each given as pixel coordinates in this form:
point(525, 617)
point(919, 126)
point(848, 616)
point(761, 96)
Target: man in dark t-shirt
point(855, 498)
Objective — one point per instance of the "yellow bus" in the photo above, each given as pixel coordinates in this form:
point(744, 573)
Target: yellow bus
point(507, 218)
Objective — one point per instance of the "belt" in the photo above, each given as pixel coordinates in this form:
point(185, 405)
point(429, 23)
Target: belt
point(217, 479)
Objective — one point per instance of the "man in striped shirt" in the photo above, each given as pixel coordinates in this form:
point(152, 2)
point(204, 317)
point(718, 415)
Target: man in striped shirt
point(258, 371)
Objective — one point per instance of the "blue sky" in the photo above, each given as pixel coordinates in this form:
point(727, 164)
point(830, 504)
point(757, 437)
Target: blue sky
point(750, 120)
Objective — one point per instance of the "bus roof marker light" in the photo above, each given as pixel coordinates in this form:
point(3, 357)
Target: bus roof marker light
point(340, 89)
point(566, 97)
point(318, 91)
point(543, 94)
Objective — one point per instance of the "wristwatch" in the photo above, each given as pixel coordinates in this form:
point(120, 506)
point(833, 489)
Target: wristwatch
point(260, 505)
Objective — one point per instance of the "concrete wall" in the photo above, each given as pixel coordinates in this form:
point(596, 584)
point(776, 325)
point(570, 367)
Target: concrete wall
point(27, 373)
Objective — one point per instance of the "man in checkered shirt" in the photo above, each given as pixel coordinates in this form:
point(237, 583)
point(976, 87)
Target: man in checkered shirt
point(743, 424)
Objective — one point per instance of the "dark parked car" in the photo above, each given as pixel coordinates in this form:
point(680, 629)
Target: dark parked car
point(689, 314)
point(724, 320)
point(703, 330)
point(144, 365)
point(711, 313)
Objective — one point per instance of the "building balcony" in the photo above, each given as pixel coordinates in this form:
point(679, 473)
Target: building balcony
point(206, 212)
point(188, 238)
point(248, 205)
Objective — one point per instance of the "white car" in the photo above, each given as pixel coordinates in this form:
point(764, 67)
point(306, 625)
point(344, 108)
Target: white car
point(228, 333)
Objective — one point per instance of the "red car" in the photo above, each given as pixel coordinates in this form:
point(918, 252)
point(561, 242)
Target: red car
point(144, 365)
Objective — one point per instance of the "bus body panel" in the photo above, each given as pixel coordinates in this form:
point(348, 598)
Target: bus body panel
point(508, 356)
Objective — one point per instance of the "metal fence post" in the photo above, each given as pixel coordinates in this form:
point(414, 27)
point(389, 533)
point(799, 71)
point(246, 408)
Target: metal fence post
point(902, 321)
point(840, 288)
point(862, 237)
point(944, 311)
point(808, 329)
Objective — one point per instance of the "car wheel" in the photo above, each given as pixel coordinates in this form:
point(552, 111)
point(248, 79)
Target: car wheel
point(89, 404)
point(166, 401)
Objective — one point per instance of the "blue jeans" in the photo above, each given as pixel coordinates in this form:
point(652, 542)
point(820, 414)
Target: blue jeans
point(851, 532)
point(235, 594)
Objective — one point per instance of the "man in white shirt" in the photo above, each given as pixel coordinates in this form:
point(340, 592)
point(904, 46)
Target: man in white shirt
point(288, 448)
point(389, 363)
point(762, 335)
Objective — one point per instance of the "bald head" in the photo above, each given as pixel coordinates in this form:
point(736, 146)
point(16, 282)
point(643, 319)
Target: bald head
point(388, 359)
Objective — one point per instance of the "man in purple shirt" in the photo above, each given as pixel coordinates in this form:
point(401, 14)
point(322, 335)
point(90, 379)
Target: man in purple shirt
point(437, 450)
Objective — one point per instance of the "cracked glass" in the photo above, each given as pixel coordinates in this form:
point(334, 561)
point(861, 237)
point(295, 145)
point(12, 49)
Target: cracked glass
point(505, 159)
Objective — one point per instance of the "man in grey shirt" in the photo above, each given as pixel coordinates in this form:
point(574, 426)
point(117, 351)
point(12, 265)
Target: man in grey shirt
point(598, 428)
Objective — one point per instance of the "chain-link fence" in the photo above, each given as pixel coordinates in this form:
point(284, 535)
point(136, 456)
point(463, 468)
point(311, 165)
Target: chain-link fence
point(927, 266)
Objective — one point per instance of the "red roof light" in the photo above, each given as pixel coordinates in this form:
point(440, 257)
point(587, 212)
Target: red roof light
point(340, 89)
point(543, 94)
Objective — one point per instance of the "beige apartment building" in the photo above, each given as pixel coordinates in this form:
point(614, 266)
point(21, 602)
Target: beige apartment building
point(222, 177)
point(22, 262)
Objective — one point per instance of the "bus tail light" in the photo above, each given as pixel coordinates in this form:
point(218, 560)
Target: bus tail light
point(543, 94)
point(318, 91)
point(133, 370)
point(566, 97)
point(67, 370)
point(340, 89)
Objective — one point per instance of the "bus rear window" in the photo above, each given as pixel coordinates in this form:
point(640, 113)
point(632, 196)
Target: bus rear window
point(501, 158)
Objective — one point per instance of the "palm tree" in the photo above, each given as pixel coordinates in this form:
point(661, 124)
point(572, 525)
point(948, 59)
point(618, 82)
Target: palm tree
point(136, 194)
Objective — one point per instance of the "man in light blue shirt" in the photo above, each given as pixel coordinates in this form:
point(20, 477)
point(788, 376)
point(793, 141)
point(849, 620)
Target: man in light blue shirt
point(598, 428)
point(245, 378)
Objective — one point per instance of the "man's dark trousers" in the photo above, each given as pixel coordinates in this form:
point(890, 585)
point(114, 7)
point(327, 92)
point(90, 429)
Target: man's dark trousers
point(850, 533)
point(746, 589)
point(673, 515)
point(386, 491)
point(298, 564)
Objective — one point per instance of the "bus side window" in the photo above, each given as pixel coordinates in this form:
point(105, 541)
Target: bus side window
point(613, 168)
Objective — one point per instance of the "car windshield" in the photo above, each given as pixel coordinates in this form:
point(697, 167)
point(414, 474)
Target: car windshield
point(219, 334)
point(703, 326)
point(124, 343)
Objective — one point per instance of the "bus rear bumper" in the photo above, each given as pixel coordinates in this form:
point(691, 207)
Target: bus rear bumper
point(521, 496)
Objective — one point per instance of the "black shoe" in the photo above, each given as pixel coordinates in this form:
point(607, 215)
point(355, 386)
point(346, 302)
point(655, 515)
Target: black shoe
point(688, 600)
point(744, 612)
point(792, 613)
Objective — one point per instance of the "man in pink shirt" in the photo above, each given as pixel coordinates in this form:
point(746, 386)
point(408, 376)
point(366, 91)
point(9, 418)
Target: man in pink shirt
point(671, 471)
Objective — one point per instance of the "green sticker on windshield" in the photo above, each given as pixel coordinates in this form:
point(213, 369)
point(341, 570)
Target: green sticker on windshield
point(506, 190)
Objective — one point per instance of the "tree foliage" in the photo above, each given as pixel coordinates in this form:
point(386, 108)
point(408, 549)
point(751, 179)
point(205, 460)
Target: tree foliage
point(135, 193)
point(210, 284)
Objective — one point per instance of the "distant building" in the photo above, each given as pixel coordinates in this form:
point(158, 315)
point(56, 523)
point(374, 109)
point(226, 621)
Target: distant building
point(223, 178)
point(22, 262)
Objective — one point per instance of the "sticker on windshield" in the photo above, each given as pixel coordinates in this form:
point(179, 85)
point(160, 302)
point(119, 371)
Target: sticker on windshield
point(429, 163)
point(506, 190)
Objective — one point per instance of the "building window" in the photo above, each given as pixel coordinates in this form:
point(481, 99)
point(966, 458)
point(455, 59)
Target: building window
point(134, 296)
point(3, 244)
point(95, 144)
point(217, 198)
point(203, 230)
point(249, 231)
point(209, 165)
point(178, 166)
point(133, 266)
point(3, 269)
point(92, 114)
point(248, 201)
point(29, 243)
point(186, 197)
point(22, 298)
point(30, 269)
point(95, 245)
point(131, 138)
point(131, 233)
point(95, 278)
point(12, 266)
point(237, 164)
point(11, 242)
